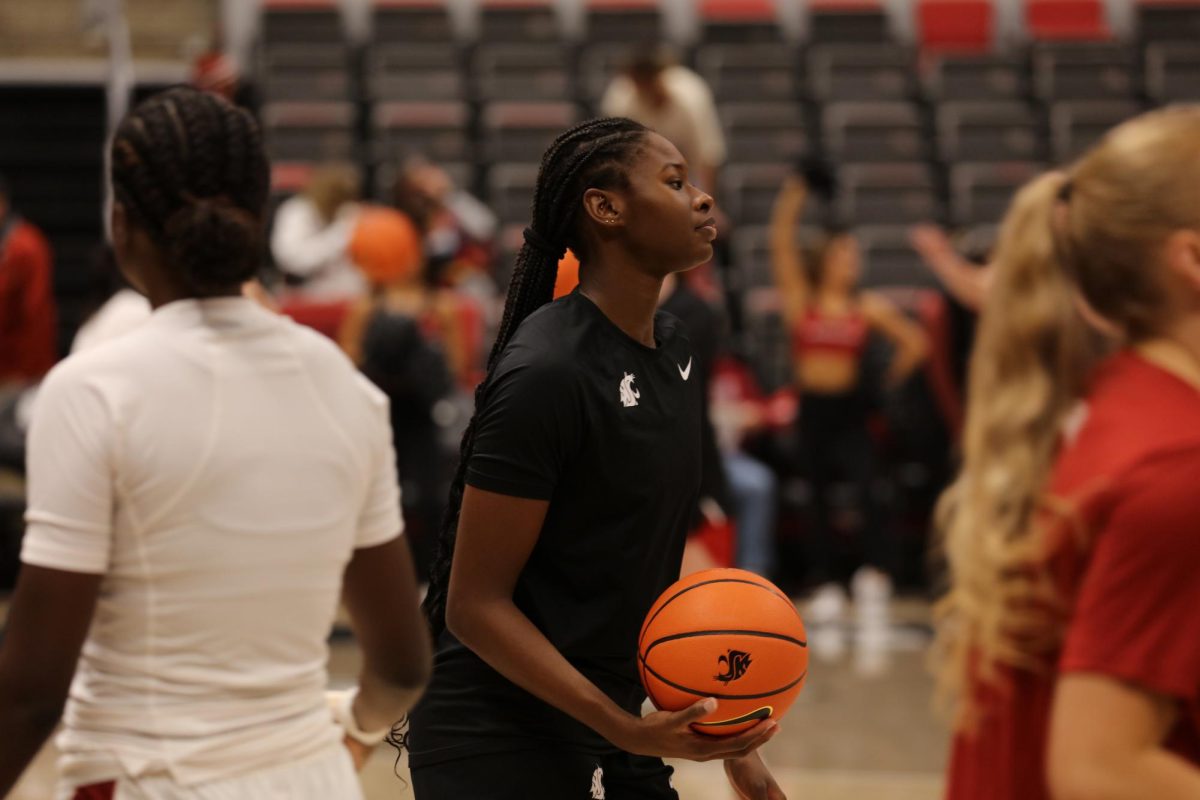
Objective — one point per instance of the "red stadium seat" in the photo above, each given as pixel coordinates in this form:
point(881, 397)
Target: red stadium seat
point(737, 11)
point(956, 25)
point(1066, 19)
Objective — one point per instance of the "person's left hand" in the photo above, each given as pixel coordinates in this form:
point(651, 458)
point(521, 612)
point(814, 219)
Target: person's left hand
point(751, 779)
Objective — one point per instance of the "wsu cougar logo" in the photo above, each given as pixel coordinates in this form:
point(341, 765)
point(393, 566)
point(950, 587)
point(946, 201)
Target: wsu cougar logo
point(598, 784)
point(733, 665)
point(629, 395)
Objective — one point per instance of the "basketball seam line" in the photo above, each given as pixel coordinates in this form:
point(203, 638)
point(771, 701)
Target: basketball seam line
point(689, 690)
point(676, 596)
point(761, 634)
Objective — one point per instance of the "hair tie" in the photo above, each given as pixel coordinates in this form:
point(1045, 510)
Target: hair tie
point(544, 245)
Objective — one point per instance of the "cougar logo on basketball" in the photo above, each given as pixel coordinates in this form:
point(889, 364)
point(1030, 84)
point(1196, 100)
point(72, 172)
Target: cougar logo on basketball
point(598, 784)
point(733, 665)
point(629, 395)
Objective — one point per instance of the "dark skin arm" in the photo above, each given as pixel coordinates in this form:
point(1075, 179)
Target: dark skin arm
point(496, 534)
point(47, 624)
point(380, 592)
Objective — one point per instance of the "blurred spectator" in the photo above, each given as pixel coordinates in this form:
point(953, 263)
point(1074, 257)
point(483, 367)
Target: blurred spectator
point(311, 237)
point(457, 229)
point(28, 314)
point(830, 321)
point(704, 327)
point(965, 284)
point(216, 71)
point(400, 335)
point(675, 102)
point(739, 409)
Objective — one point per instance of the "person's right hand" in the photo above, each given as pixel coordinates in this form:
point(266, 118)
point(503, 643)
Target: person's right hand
point(668, 734)
point(930, 241)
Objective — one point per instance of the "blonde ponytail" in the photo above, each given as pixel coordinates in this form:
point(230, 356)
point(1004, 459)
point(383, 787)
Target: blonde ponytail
point(1028, 371)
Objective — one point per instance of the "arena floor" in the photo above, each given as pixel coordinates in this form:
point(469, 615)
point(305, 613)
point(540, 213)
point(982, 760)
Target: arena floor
point(862, 730)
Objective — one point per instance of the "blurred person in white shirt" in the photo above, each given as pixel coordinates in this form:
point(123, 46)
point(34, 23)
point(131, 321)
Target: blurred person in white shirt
point(312, 234)
point(677, 103)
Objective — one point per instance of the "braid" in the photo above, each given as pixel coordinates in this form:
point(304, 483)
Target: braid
point(190, 170)
point(594, 154)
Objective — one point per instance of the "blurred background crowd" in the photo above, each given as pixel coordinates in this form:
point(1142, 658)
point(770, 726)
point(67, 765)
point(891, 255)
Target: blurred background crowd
point(861, 153)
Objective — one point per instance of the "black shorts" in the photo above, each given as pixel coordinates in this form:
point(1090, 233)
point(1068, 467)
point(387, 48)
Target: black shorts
point(545, 774)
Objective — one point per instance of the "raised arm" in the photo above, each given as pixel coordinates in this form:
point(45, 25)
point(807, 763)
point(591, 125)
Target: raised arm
point(965, 282)
point(787, 264)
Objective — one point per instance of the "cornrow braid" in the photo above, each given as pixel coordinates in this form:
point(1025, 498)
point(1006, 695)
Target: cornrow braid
point(594, 154)
point(190, 170)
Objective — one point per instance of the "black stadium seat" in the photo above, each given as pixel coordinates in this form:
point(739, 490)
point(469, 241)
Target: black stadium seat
point(997, 131)
point(981, 193)
point(438, 131)
point(879, 132)
point(764, 132)
point(415, 72)
point(859, 73)
point(1076, 126)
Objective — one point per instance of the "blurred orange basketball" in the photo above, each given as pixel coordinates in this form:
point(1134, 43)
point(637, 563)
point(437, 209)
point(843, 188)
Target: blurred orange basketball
point(567, 277)
point(727, 634)
point(386, 246)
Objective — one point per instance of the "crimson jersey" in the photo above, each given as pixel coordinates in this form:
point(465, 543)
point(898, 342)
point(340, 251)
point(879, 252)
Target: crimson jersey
point(1133, 590)
point(28, 314)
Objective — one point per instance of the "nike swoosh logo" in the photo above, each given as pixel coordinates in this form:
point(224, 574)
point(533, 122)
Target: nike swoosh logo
point(685, 372)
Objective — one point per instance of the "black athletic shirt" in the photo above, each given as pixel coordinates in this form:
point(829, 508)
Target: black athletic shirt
point(607, 430)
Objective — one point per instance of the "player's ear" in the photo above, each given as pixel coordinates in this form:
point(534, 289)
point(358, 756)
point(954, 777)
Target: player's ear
point(604, 207)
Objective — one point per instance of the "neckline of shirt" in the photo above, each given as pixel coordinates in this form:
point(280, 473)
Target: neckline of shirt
point(192, 310)
point(616, 329)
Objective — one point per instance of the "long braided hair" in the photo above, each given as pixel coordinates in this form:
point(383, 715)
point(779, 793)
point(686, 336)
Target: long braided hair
point(190, 170)
point(597, 155)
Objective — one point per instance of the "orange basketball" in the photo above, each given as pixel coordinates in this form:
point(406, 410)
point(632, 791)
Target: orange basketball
point(727, 634)
point(386, 246)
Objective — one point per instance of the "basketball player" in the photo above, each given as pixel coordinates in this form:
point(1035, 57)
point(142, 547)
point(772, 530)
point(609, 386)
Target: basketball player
point(200, 488)
point(568, 514)
point(1071, 631)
